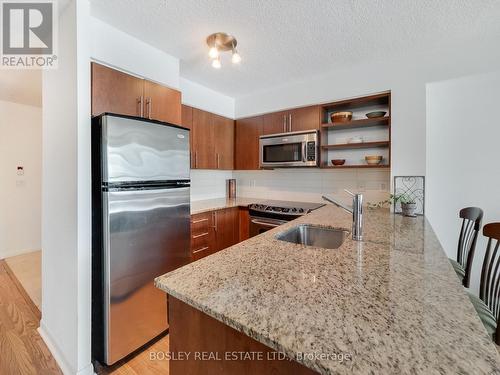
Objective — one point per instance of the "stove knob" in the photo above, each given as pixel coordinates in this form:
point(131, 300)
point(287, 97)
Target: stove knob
point(285, 210)
point(294, 209)
point(301, 210)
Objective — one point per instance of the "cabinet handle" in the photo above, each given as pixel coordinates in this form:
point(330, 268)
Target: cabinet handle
point(290, 121)
point(284, 123)
point(140, 101)
point(200, 221)
point(200, 235)
point(214, 214)
point(202, 249)
point(196, 159)
point(149, 105)
point(218, 161)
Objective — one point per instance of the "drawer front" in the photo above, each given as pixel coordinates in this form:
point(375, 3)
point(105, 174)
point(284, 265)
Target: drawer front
point(201, 223)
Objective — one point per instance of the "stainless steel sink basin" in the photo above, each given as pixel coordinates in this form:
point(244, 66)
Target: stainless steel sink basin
point(311, 235)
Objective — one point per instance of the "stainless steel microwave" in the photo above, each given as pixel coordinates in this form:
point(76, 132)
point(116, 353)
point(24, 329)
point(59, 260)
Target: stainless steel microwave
point(295, 149)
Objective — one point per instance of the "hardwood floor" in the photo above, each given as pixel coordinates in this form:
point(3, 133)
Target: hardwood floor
point(145, 362)
point(22, 350)
point(27, 269)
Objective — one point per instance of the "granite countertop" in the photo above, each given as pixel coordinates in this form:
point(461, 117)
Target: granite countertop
point(391, 304)
point(197, 207)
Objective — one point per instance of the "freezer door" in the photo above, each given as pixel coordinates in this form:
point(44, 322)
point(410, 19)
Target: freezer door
point(146, 234)
point(136, 150)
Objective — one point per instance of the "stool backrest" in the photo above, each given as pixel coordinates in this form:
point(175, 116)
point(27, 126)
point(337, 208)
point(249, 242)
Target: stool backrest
point(471, 224)
point(489, 289)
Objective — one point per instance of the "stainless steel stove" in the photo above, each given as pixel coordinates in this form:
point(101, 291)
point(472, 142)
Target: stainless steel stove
point(270, 214)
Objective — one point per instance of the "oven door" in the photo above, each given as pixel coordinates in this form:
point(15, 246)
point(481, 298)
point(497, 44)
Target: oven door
point(260, 225)
point(289, 150)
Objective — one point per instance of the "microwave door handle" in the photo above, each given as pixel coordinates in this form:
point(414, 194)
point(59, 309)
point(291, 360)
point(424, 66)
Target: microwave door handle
point(304, 147)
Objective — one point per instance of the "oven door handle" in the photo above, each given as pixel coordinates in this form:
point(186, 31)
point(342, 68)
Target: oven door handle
point(266, 224)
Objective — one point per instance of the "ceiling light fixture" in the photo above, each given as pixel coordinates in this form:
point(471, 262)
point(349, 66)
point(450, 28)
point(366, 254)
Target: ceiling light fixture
point(222, 42)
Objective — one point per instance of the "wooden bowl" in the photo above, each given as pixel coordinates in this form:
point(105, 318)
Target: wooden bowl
point(373, 159)
point(338, 161)
point(341, 116)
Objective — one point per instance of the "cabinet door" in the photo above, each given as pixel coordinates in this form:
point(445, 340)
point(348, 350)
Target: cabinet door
point(162, 103)
point(227, 227)
point(307, 118)
point(246, 147)
point(116, 92)
point(187, 122)
point(224, 142)
point(203, 140)
point(274, 123)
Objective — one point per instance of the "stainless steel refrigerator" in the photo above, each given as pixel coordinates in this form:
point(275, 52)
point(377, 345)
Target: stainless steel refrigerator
point(141, 228)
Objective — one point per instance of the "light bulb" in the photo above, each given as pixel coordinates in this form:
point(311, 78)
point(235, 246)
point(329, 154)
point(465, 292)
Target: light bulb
point(216, 63)
point(236, 58)
point(213, 52)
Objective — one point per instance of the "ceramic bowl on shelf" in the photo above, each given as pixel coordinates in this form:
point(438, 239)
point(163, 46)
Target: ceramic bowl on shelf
point(344, 116)
point(373, 159)
point(338, 162)
point(355, 140)
point(376, 114)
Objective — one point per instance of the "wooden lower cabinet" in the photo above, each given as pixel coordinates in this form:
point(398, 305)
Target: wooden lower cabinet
point(202, 235)
point(213, 231)
point(192, 331)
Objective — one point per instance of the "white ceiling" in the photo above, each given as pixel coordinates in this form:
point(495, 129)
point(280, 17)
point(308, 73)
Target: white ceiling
point(290, 40)
point(21, 86)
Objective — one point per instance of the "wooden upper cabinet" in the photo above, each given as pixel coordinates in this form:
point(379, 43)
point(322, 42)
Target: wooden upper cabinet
point(162, 103)
point(116, 92)
point(246, 145)
point(203, 140)
point(187, 122)
point(224, 142)
point(306, 118)
point(274, 123)
point(187, 116)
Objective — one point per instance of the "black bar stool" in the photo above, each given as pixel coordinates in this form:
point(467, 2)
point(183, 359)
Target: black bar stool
point(471, 224)
point(488, 303)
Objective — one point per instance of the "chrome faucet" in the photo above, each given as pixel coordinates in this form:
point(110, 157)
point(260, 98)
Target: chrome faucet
point(356, 211)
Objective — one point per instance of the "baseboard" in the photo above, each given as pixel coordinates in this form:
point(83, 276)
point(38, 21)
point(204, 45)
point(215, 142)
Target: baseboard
point(59, 357)
point(13, 253)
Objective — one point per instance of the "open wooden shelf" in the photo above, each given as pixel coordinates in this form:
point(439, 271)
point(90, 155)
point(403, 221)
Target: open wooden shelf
point(356, 145)
point(377, 99)
point(355, 166)
point(363, 123)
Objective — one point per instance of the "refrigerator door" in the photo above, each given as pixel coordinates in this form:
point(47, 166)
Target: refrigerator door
point(146, 234)
point(135, 150)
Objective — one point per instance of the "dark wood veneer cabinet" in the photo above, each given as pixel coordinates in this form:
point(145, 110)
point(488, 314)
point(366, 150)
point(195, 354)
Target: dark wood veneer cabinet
point(246, 143)
point(212, 139)
point(293, 120)
point(118, 92)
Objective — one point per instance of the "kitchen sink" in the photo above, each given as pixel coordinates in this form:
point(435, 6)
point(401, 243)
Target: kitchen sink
point(312, 235)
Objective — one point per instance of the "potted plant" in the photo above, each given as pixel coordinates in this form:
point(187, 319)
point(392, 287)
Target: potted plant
point(408, 204)
point(406, 200)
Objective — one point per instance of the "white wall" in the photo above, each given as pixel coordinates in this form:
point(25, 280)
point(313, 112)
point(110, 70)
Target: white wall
point(66, 209)
point(20, 196)
point(201, 97)
point(309, 185)
point(122, 51)
point(406, 77)
point(463, 136)
point(208, 184)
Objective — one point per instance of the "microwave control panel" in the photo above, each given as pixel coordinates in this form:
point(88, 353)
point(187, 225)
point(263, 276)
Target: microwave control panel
point(311, 151)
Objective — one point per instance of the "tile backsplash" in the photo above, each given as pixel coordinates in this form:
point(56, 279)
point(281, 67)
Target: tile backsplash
point(292, 184)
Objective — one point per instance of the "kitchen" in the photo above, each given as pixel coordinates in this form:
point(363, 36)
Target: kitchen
point(250, 187)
